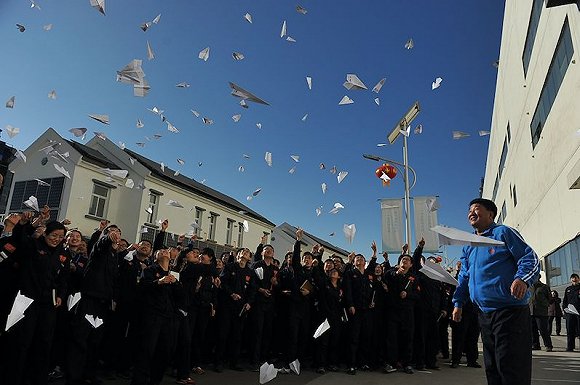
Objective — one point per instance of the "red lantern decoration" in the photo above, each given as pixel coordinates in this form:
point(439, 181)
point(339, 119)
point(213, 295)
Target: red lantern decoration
point(386, 172)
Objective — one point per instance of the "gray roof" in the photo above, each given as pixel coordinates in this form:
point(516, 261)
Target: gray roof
point(196, 187)
point(93, 156)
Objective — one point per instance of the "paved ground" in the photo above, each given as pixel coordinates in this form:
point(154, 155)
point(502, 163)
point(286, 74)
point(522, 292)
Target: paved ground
point(555, 368)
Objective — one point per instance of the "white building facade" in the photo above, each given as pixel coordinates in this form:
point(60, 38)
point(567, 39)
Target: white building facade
point(533, 164)
point(92, 194)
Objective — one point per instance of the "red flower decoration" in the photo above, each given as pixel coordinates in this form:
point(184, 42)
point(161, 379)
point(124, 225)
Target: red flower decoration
point(247, 278)
point(9, 247)
point(411, 279)
point(62, 258)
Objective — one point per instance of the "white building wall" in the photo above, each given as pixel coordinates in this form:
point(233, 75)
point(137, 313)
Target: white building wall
point(548, 211)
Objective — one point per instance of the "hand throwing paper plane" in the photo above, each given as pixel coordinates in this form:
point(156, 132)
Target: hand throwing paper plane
point(239, 92)
point(451, 236)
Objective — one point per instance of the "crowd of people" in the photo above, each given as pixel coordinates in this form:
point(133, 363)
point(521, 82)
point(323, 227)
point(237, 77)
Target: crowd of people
point(143, 310)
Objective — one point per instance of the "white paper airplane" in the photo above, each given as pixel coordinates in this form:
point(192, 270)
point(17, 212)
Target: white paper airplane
point(94, 321)
point(451, 236)
point(204, 54)
point(345, 100)
point(239, 92)
point(354, 83)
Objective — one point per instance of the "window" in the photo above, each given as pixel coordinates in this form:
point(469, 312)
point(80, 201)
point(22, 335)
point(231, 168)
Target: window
point(5, 190)
point(503, 157)
point(531, 35)
point(212, 226)
point(509, 133)
point(99, 200)
point(198, 219)
point(503, 214)
point(240, 234)
point(153, 207)
point(229, 231)
point(561, 263)
point(48, 193)
point(514, 196)
point(495, 187)
point(558, 67)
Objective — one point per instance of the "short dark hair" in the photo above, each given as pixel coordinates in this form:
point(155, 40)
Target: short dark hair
point(54, 226)
point(404, 256)
point(574, 275)
point(488, 204)
point(209, 252)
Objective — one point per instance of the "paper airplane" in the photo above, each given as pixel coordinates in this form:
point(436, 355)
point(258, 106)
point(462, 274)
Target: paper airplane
point(345, 100)
point(42, 183)
point(295, 158)
point(484, 133)
point(290, 39)
point(349, 232)
point(100, 118)
point(260, 273)
point(150, 53)
point(171, 127)
point(12, 131)
point(236, 118)
point(571, 309)
point(268, 158)
point(238, 56)
point(259, 125)
point(321, 328)
point(116, 173)
point(283, 32)
point(377, 101)
point(409, 44)
point(72, 300)
point(239, 92)
point(436, 83)
point(323, 185)
point(99, 5)
point(267, 373)
point(182, 85)
point(418, 129)
point(437, 272)
point(341, 175)
point(451, 236)
point(304, 117)
point(318, 211)
point(62, 170)
point(256, 192)
point(207, 121)
point(295, 366)
point(248, 17)
point(309, 82)
point(129, 183)
point(241, 169)
point(333, 170)
point(94, 321)
point(21, 303)
point(47, 27)
point(336, 208)
point(52, 95)
point(173, 203)
point(379, 85)
point(460, 135)
point(32, 202)
point(195, 113)
point(432, 204)
point(10, 102)
point(133, 74)
point(204, 54)
point(301, 10)
point(354, 83)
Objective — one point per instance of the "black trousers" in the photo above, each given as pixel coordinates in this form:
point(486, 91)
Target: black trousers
point(464, 336)
point(360, 335)
point(182, 356)
point(572, 330)
point(298, 333)
point(558, 324)
point(156, 347)
point(230, 326)
point(507, 346)
point(540, 327)
point(401, 323)
point(444, 336)
point(327, 343)
point(29, 346)
point(262, 318)
point(426, 339)
point(199, 317)
point(84, 340)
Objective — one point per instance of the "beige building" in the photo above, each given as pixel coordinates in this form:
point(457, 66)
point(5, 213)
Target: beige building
point(533, 164)
point(129, 190)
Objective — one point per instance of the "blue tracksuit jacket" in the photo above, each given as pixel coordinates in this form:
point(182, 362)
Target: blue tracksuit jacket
point(488, 271)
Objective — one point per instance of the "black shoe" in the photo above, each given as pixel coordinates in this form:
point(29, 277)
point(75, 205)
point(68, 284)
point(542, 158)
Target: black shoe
point(351, 371)
point(433, 367)
point(321, 370)
point(473, 365)
point(569, 350)
point(333, 368)
point(454, 365)
point(408, 369)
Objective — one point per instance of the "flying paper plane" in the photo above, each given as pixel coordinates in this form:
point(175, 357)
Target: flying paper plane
point(239, 92)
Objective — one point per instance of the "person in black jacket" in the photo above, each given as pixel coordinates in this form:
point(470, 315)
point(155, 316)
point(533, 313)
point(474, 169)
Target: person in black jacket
point(403, 295)
point(358, 285)
point(572, 297)
point(331, 309)
point(43, 268)
point(157, 298)
point(97, 295)
point(263, 311)
point(236, 297)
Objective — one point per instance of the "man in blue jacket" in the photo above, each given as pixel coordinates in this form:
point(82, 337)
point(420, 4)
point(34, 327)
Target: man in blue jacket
point(498, 278)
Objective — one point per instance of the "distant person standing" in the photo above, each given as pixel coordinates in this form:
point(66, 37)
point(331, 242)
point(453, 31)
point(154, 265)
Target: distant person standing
point(572, 298)
point(539, 303)
point(497, 279)
point(555, 312)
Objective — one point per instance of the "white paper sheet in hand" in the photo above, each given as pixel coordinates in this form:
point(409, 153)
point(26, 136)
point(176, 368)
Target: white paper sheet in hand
point(175, 274)
point(451, 236)
point(21, 303)
point(321, 328)
point(72, 300)
point(32, 202)
point(437, 272)
point(267, 372)
point(260, 273)
point(295, 366)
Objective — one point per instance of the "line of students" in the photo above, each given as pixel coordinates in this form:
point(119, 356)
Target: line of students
point(161, 307)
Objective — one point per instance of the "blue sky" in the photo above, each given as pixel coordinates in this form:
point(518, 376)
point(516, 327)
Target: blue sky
point(79, 57)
